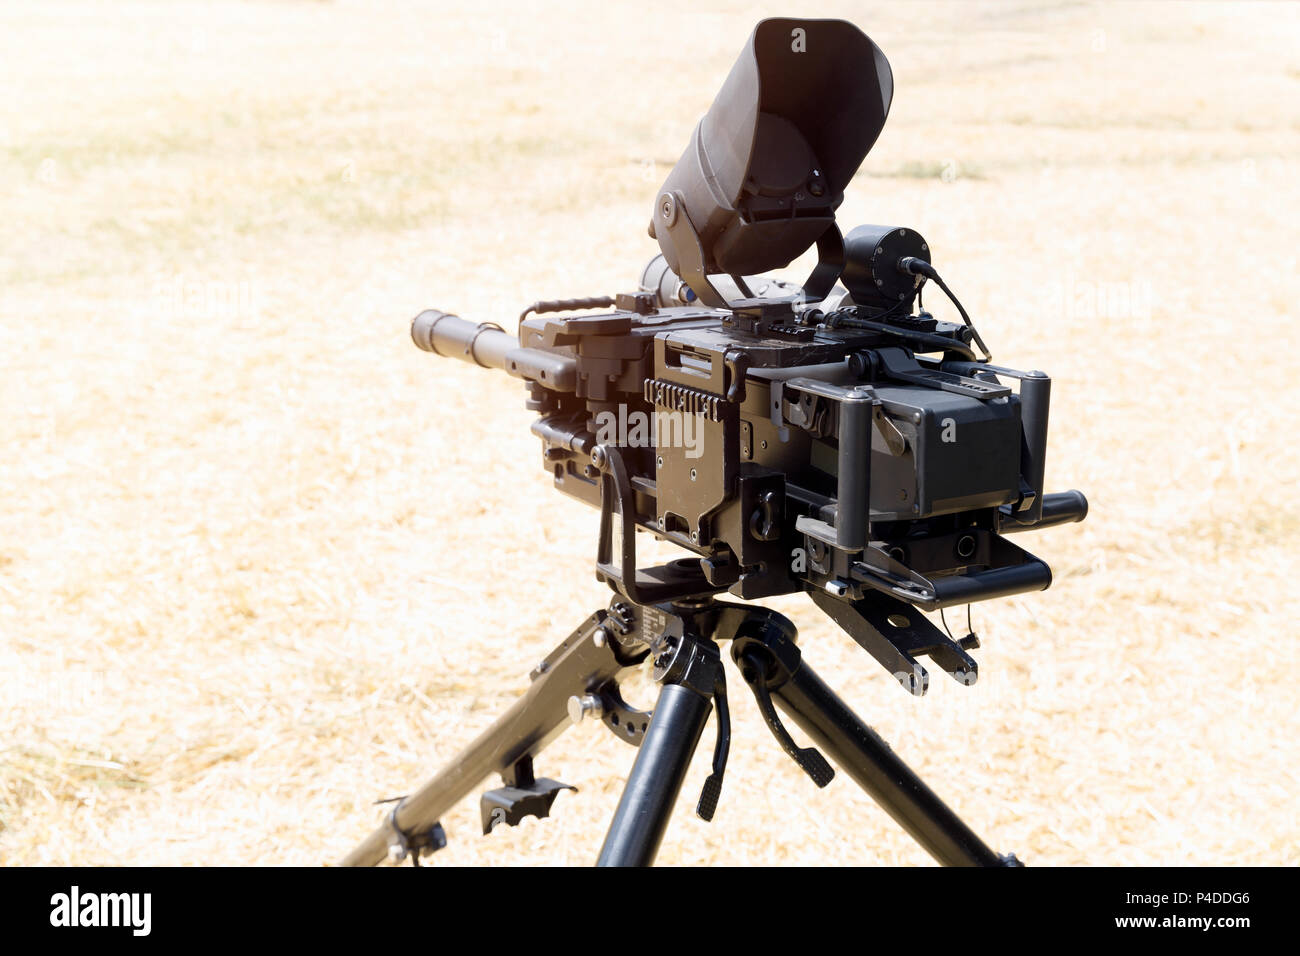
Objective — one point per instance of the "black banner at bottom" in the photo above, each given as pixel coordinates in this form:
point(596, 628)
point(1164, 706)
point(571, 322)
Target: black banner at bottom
point(401, 904)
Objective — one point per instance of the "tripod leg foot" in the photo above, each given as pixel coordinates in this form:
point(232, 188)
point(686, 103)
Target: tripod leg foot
point(584, 660)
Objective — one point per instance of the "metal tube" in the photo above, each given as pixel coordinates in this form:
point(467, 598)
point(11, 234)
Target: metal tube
point(491, 752)
point(656, 779)
point(532, 723)
point(1060, 507)
point(853, 497)
point(454, 337)
point(1035, 399)
point(487, 345)
point(865, 757)
point(954, 589)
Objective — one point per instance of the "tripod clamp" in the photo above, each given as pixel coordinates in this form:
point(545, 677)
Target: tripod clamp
point(809, 759)
point(763, 647)
point(687, 659)
point(407, 844)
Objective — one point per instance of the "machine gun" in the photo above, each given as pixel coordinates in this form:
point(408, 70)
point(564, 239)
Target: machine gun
point(832, 438)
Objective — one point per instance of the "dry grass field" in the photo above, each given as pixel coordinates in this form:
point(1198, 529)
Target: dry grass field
point(262, 562)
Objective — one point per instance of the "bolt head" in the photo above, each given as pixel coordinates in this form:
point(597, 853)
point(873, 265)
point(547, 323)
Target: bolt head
point(668, 208)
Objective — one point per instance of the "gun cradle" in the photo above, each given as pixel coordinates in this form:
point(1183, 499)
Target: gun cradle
point(795, 457)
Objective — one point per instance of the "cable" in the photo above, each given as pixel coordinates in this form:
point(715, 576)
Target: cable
point(567, 305)
point(850, 312)
point(911, 265)
point(970, 629)
point(848, 317)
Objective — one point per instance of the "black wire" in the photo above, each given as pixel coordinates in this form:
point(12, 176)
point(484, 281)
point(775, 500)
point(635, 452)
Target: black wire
point(988, 356)
point(970, 628)
point(851, 312)
point(927, 339)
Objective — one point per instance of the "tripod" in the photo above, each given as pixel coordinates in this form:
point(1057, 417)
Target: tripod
point(580, 680)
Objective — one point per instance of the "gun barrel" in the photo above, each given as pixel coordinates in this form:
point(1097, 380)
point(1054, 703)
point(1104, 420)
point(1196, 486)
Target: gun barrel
point(489, 345)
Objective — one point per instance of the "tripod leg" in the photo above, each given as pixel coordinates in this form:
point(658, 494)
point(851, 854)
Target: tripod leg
point(689, 671)
point(865, 757)
point(862, 753)
point(584, 661)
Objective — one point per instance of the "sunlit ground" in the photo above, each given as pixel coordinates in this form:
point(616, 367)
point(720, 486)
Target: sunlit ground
point(262, 562)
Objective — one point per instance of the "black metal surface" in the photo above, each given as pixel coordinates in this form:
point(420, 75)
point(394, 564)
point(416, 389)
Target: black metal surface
point(656, 778)
point(775, 662)
point(864, 756)
point(768, 164)
point(511, 804)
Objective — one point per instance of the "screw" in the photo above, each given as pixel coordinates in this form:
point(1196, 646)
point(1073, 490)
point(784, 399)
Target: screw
point(580, 707)
point(692, 474)
point(668, 208)
point(600, 637)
